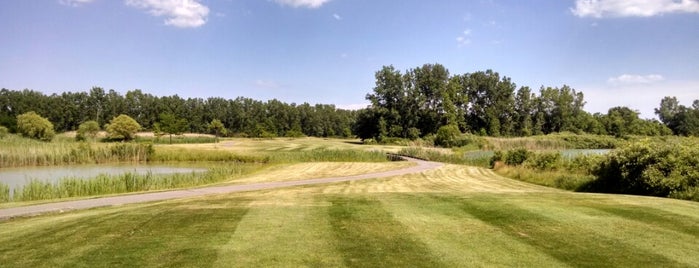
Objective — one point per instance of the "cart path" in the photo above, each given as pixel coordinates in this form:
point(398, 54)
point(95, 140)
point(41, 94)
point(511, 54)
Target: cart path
point(7, 213)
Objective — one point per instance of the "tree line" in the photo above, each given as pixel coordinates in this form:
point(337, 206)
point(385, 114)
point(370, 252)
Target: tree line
point(240, 116)
point(422, 100)
point(411, 104)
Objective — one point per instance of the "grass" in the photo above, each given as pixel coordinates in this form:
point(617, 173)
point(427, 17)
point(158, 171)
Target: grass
point(126, 183)
point(452, 216)
point(176, 139)
point(562, 179)
point(16, 151)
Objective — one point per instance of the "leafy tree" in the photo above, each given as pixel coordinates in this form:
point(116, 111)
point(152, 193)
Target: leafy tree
point(32, 125)
point(122, 127)
point(171, 125)
point(669, 108)
point(88, 129)
point(217, 127)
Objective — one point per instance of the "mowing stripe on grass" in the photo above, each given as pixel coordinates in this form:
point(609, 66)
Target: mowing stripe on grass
point(459, 239)
point(580, 248)
point(654, 217)
point(168, 235)
point(368, 236)
point(282, 231)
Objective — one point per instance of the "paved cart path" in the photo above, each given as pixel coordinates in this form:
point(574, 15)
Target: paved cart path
point(158, 196)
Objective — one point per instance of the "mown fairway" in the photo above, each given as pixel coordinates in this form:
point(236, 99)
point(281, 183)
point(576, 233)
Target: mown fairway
point(452, 216)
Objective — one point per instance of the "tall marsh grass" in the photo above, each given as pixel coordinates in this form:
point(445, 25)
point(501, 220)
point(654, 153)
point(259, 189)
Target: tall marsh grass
point(123, 183)
point(176, 139)
point(16, 151)
point(452, 158)
point(4, 193)
point(557, 141)
point(327, 155)
point(170, 154)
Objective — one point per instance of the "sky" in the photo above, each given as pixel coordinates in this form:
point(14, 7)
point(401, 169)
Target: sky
point(617, 52)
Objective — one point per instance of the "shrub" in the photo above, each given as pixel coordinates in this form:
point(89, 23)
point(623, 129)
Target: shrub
point(34, 126)
point(3, 132)
point(650, 168)
point(87, 129)
point(498, 156)
point(516, 157)
point(447, 136)
point(122, 127)
point(544, 160)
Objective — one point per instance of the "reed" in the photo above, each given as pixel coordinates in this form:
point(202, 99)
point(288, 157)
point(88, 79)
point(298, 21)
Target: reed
point(327, 155)
point(124, 183)
point(16, 151)
point(176, 139)
point(4, 193)
point(171, 154)
point(481, 160)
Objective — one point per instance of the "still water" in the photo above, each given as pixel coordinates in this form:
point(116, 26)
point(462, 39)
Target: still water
point(18, 177)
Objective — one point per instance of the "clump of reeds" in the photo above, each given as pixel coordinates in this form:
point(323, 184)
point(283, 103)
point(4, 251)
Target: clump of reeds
point(124, 183)
point(16, 151)
point(328, 155)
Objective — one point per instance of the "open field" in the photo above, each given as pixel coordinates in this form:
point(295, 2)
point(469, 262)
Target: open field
point(452, 216)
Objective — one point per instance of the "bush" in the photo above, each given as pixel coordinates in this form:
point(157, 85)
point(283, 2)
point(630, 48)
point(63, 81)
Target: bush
point(666, 169)
point(544, 160)
point(34, 126)
point(87, 129)
point(3, 132)
point(516, 157)
point(122, 127)
point(447, 136)
point(498, 156)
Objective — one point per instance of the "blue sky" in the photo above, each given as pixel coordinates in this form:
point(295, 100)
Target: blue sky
point(618, 52)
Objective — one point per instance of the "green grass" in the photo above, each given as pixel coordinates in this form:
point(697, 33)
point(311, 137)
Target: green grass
point(454, 216)
point(126, 183)
point(16, 151)
point(176, 139)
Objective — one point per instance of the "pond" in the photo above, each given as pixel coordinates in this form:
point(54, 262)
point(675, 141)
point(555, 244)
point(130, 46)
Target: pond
point(18, 177)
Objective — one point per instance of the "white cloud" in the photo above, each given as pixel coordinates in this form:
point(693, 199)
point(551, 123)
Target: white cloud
point(74, 3)
point(266, 84)
point(464, 39)
point(635, 79)
point(178, 13)
point(337, 17)
point(303, 3)
point(632, 8)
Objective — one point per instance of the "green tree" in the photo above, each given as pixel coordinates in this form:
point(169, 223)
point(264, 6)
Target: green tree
point(172, 125)
point(32, 125)
point(88, 129)
point(217, 127)
point(122, 127)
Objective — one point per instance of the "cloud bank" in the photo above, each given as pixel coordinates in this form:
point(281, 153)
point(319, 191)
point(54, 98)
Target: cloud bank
point(302, 3)
point(178, 13)
point(632, 8)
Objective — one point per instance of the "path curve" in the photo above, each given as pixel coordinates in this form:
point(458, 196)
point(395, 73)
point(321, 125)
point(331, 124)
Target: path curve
point(8, 213)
